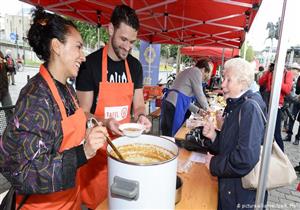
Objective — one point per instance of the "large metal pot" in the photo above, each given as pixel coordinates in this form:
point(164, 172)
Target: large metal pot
point(142, 185)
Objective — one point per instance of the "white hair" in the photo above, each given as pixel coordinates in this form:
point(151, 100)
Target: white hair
point(242, 70)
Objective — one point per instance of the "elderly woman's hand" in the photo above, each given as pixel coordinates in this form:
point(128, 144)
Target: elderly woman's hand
point(209, 130)
point(95, 139)
point(219, 119)
point(207, 160)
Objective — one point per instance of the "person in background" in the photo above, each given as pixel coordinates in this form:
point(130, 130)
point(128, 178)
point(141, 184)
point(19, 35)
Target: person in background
point(236, 148)
point(108, 84)
point(46, 143)
point(266, 82)
point(260, 72)
point(295, 103)
point(5, 98)
point(177, 99)
point(11, 66)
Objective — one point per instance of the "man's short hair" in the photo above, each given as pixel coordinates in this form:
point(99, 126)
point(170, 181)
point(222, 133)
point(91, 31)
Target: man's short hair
point(124, 14)
point(203, 63)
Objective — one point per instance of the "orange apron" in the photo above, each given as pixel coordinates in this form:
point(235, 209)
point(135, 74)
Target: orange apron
point(73, 128)
point(114, 100)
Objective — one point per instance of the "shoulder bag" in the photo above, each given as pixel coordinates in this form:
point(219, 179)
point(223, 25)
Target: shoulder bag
point(9, 201)
point(281, 172)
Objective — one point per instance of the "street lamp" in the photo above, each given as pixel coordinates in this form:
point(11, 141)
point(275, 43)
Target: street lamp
point(23, 34)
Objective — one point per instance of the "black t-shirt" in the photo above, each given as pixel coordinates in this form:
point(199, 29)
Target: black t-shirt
point(90, 73)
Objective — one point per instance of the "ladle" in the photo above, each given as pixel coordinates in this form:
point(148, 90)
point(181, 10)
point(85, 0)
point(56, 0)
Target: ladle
point(92, 122)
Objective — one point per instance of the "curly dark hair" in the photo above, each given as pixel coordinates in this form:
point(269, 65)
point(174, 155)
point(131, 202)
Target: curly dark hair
point(124, 14)
point(45, 27)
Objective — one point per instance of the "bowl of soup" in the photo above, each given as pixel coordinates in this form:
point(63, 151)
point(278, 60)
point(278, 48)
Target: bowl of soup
point(132, 129)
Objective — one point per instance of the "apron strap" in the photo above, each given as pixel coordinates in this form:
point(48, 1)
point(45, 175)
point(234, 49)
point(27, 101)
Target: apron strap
point(45, 74)
point(105, 69)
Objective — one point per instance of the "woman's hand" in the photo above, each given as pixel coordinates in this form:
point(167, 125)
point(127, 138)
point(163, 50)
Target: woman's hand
point(142, 119)
point(95, 139)
point(207, 160)
point(209, 130)
point(219, 119)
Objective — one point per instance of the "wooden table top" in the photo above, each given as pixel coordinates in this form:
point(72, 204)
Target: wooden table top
point(199, 190)
point(183, 130)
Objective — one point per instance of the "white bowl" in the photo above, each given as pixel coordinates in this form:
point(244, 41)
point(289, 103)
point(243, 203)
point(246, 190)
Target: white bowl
point(132, 129)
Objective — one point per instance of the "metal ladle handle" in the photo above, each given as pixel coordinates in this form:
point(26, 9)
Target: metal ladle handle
point(91, 123)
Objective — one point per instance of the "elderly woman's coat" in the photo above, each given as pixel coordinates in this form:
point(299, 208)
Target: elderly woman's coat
point(237, 150)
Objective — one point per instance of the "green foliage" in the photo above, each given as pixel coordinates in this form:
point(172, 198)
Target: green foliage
point(173, 51)
point(137, 44)
point(186, 59)
point(32, 63)
point(250, 54)
point(168, 50)
point(89, 33)
point(164, 50)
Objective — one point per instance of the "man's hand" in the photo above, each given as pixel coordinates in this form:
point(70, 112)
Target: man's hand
point(142, 119)
point(113, 125)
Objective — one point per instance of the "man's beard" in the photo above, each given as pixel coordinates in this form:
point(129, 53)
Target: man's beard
point(117, 49)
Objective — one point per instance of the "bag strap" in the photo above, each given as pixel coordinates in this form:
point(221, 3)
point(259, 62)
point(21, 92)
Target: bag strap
point(24, 199)
point(260, 110)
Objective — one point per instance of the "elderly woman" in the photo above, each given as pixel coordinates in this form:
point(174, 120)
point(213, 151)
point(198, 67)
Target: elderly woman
point(236, 147)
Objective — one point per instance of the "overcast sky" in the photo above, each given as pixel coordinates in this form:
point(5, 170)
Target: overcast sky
point(269, 11)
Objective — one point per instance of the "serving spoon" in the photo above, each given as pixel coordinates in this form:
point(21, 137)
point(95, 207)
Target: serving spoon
point(91, 123)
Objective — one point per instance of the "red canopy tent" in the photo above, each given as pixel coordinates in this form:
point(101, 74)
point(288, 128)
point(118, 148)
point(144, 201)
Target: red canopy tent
point(218, 23)
point(215, 52)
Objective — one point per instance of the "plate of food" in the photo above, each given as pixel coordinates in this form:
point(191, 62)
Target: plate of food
point(132, 129)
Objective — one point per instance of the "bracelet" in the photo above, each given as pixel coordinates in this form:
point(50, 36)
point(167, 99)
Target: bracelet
point(142, 114)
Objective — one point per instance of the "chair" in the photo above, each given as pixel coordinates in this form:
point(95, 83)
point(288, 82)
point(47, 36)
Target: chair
point(155, 115)
point(5, 113)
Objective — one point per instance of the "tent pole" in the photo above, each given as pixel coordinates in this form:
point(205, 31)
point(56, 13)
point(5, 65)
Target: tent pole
point(149, 64)
point(223, 57)
point(273, 109)
point(178, 60)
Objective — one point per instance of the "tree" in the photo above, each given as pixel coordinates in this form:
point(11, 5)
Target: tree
point(249, 51)
point(173, 51)
point(250, 55)
point(89, 33)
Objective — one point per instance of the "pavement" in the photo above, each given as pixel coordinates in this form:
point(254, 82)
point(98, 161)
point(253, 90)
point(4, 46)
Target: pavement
point(281, 198)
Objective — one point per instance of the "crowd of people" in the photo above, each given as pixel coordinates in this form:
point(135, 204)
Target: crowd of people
point(55, 162)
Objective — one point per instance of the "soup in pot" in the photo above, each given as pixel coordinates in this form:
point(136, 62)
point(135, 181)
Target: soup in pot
point(143, 153)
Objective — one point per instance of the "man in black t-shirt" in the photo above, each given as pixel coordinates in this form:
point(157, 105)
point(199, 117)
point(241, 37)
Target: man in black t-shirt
point(94, 97)
point(109, 83)
point(90, 74)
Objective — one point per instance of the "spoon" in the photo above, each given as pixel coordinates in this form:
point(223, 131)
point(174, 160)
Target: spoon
point(93, 121)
